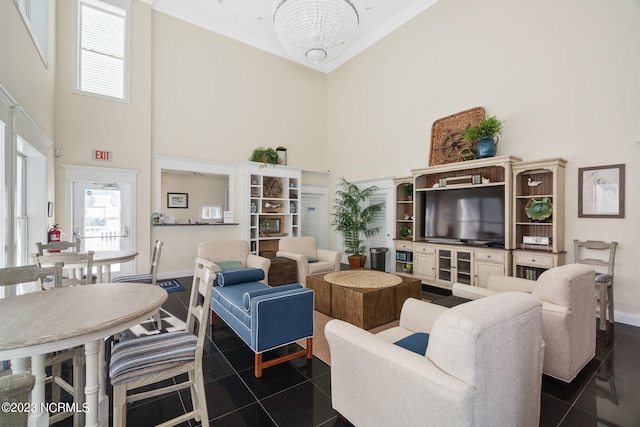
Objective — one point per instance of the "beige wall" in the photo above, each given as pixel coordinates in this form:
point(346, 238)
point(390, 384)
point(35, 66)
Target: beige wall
point(564, 77)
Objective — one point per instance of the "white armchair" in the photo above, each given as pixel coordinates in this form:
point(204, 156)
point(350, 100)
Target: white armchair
point(482, 367)
point(309, 258)
point(235, 251)
point(568, 313)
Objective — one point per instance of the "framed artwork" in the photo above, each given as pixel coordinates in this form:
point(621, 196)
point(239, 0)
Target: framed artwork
point(601, 192)
point(178, 200)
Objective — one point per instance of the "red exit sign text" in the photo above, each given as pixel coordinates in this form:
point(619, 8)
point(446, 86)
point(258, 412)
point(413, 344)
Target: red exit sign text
point(104, 156)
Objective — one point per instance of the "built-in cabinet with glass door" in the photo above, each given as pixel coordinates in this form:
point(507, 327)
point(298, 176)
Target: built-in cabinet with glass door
point(538, 211)
point(272, 205)
point(403, 237)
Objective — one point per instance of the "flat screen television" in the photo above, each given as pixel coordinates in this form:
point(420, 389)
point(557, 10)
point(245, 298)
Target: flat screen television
point(465, 215)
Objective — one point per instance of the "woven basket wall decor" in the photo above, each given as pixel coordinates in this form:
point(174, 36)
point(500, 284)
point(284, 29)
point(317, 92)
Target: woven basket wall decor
point(447, 144)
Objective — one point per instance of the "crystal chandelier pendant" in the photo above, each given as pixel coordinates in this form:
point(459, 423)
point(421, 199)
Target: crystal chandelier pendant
point(315, 30)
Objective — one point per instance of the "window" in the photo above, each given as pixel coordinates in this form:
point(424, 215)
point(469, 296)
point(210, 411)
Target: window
point(35, 14)
point(102, 45)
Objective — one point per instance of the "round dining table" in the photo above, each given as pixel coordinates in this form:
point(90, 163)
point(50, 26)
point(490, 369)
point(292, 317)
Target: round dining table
point(38, 323)
point(107, 258)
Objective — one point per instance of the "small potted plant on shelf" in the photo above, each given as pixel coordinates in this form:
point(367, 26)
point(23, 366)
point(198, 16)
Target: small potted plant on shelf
point(486, 133)
point(353, 218)
point(408, 191)
point(268, 156)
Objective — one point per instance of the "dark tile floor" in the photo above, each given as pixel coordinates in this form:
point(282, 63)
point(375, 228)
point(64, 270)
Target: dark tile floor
point(298, 393)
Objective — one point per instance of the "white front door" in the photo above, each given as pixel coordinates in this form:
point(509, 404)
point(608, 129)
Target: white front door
point(103, 218)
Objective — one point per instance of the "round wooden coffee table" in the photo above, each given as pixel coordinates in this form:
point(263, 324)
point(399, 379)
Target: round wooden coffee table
point(363, 279)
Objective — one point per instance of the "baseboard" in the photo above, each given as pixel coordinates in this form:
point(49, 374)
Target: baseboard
point(627, 318)
point(175, 274)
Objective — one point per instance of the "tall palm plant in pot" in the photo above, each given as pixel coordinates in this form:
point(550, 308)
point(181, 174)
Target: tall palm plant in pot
point(353, 218)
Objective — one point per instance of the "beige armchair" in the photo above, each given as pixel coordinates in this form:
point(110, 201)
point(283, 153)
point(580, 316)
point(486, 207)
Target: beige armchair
point(226, 252)
point(568, 319)
point(482, 366)
point(309, 258)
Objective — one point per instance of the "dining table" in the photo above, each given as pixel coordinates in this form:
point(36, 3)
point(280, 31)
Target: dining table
point(38, 323)
point(104, 260)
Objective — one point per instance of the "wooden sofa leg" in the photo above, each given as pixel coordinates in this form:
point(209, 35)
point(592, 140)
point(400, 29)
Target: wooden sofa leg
point(257, 369)
point(213, 318)
point(309, 348)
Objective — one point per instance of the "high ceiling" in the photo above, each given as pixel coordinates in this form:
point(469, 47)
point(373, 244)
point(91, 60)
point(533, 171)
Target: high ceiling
point(250, 21)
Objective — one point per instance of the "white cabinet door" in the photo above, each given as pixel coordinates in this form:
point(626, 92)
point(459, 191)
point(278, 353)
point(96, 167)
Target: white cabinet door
point(482, 271)
point(424, 266)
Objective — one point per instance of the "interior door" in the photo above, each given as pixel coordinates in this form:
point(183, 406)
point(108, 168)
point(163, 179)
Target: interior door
point(102, 218)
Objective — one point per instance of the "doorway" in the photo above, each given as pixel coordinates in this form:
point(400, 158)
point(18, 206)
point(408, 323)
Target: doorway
point(314, 214)
point(103, 211)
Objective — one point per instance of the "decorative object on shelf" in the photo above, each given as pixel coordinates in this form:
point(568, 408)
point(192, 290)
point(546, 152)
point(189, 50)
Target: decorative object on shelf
point(405, 233)
point(447, 142)
point(486, 180)
point(315, 30)
point(476, 179)
point(178, 200)
point(254, 208)
point(601, 191)
point(539, 209)
point(268, 156)
point(408, 191)
point(270, 205)
point(532, 183)
point(272, 187)
point(354, 220)
point(292, 208)
point(486, 134)
point(408, 267)
point(282, 155)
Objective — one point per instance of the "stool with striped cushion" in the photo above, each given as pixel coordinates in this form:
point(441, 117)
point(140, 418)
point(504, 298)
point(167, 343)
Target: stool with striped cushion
point(148, 360)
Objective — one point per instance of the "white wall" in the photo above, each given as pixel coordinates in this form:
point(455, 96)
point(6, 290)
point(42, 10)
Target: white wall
point(563, 75)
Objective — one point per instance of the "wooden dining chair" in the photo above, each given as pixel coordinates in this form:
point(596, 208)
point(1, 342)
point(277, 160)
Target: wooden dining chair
point(151, 277)
point(34, 273)
point(603, 263)
point(60, 246)
point(78, 266)
point(139, 362)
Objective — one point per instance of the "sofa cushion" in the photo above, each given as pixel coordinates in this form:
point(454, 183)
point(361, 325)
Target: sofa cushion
point(229, 265)
point(415, 342)
point(249, 295)
point(244, 275)
point(321, 267)
point(135, 278)
point(312, 259)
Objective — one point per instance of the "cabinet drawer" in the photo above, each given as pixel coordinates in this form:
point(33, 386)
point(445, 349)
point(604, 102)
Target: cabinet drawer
point(423, 249)
point(487, 256)
point(404, 246)
point(533, 260)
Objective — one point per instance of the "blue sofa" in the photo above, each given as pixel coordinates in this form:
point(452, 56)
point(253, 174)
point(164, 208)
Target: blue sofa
point(264, 317)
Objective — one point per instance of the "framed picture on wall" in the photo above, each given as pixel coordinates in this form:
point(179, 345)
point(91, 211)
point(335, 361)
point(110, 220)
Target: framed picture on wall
point(178, 200)
point(601, 192)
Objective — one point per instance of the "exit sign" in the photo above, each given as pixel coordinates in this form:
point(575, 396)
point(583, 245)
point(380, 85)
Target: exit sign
point(104, 156)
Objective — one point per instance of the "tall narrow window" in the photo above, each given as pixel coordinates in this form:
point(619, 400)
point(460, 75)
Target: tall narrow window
point(102, 48)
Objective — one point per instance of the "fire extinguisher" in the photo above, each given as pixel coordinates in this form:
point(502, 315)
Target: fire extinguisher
point(54, 235)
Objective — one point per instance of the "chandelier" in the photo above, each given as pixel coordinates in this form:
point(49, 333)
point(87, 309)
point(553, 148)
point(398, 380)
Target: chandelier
point(315, 30)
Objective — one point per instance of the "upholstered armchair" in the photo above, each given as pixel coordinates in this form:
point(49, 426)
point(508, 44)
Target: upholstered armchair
point(234, 254)
point(482, 366)
point(568, 313)
point(311, 260)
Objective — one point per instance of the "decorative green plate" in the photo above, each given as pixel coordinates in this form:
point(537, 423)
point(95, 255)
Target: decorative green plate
point(539, 209)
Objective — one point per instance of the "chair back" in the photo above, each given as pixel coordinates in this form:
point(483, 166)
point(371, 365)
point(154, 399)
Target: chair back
point(495, 345)
point(58, 246)
point(199, 302)
point(155, 260)
point(234, 250)
point(31, 273)
point(78, 266)
point(604, 253)
point(299, 245)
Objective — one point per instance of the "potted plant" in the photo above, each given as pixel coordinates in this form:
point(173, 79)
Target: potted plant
point(486, 133)
point(268, 156)
point(353, 218)
point(408, 191)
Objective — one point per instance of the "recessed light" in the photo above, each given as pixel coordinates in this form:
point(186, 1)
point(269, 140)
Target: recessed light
point(260, 18)
point(368, 8)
